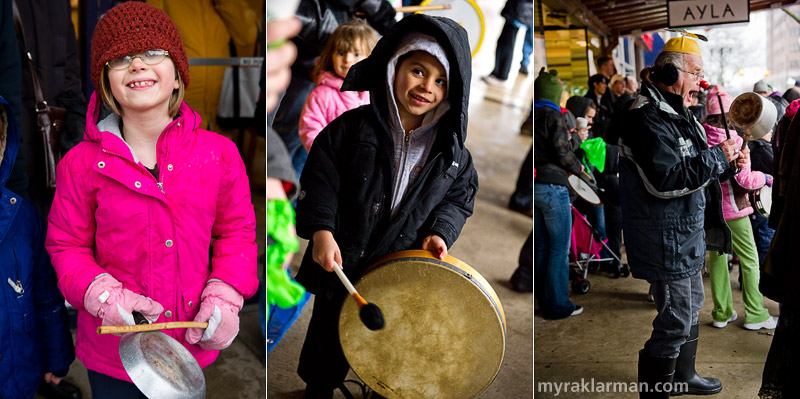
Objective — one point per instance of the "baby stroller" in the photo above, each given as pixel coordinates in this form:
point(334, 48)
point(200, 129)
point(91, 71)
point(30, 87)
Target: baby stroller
point(585, 248)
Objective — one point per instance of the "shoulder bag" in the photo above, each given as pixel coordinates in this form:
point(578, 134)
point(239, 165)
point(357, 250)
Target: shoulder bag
point(50, 119)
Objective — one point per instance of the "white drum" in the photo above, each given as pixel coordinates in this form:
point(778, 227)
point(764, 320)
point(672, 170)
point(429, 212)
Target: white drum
point(445, 329)
point(467, 14)
point(762, 200)
point(584, 190)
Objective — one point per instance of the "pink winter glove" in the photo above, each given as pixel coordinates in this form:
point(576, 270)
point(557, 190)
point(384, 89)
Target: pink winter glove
point(105, 298)
point(219, 306)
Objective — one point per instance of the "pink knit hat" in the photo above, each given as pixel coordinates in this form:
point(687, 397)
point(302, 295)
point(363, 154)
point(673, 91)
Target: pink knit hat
point(791, 110)
point(712, 101)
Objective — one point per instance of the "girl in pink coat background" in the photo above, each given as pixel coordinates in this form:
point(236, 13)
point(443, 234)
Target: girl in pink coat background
point(141, 200)
point(350, 43)
point(735, 209)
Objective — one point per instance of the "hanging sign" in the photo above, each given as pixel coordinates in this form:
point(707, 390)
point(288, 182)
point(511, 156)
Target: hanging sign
point(707, 12)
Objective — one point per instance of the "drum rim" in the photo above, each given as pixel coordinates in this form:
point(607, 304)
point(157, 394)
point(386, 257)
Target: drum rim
point(755, 198)
point(480, 17)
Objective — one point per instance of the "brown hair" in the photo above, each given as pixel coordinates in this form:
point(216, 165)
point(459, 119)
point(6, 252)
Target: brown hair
point(108, 96)
point(344, 39)
point(716, 121)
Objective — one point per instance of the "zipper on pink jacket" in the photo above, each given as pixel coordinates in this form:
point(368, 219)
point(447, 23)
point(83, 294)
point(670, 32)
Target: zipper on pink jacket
point(158, 183)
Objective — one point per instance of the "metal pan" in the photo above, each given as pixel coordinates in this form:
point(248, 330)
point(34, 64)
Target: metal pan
point(159, 366)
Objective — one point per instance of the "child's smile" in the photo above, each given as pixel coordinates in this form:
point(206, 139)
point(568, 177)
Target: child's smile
point(420, 85)
point(143, 87)
point(421, 101)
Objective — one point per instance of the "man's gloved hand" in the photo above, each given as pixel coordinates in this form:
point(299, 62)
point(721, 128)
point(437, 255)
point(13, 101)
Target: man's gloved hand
point(105, 298)
point(219, 306)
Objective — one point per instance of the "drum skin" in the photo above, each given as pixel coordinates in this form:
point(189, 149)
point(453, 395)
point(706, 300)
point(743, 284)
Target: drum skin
point(445, 328)
point(584, 190)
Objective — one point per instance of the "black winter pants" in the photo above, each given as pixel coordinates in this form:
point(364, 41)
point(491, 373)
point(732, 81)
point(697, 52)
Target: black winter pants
point(505, 49)
point(322, 362)
point(522, 198)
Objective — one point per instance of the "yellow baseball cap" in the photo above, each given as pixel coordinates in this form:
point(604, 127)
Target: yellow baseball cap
point(682, 44)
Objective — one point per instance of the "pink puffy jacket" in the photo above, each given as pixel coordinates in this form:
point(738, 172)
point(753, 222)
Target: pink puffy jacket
point(747, 178)
point(109, 215)
point(324, 104)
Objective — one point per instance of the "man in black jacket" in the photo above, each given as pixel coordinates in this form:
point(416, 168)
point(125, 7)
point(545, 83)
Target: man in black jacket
point(599, 93)
point(385, 177)
point(518, 14)
point(666, 171)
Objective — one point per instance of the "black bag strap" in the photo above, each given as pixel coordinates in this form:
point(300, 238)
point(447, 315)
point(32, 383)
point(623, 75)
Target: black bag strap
point(41, 104)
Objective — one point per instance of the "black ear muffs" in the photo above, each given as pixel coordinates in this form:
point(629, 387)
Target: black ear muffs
point(666, 74)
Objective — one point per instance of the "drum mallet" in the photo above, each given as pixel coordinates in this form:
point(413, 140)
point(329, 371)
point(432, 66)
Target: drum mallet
point(727, 133)
point(371, 314)
point(410, 9)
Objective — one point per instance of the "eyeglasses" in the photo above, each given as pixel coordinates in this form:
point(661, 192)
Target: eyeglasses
point(697, 76)
point(149, 57)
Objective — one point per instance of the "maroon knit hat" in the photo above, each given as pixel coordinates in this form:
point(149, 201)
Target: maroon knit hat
point(132, 27)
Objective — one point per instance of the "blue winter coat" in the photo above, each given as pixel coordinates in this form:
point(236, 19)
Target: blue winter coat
point(34, 329)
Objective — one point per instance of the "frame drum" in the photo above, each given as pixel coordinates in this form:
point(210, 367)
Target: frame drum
point(445, 328)
point(467, 14)
point(762, 200)
point(584, 190)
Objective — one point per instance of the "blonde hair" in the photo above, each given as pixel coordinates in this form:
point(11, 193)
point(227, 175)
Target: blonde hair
point(344, 39)
point(107, 95)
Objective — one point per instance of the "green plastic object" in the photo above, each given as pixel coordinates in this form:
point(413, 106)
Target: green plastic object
point(595, 150)
point(281, 289)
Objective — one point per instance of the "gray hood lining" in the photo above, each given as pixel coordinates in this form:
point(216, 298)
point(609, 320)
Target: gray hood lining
point(111, 124)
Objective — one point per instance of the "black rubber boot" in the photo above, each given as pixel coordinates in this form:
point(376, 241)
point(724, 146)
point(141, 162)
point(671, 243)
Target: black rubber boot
point(656, 372)
point(685, 372)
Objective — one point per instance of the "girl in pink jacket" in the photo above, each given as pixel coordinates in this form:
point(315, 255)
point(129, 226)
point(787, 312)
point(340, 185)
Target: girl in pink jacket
point(350, 43)
point(736, 209)
point(142, 200)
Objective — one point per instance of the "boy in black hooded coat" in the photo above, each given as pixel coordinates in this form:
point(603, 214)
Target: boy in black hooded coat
point(357, 204)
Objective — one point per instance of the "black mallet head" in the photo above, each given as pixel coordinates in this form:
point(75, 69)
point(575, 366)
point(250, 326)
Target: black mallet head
point(372, 317)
